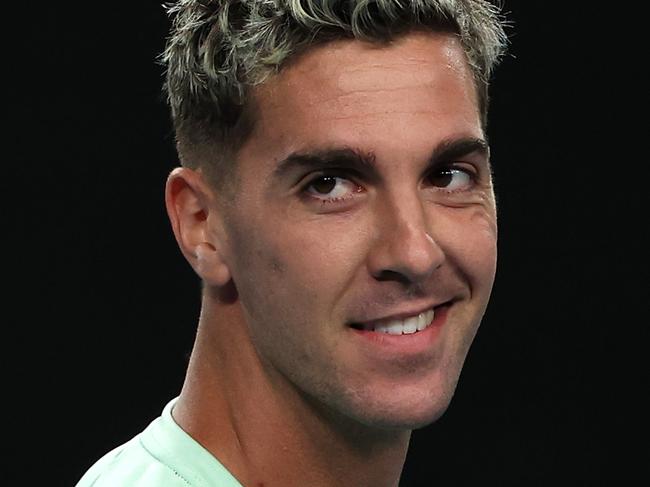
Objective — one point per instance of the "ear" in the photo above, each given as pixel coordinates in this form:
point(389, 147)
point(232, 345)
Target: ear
point(194, 217)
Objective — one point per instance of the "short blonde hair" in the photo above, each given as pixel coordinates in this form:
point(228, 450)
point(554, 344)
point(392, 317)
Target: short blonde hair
point(219, 49)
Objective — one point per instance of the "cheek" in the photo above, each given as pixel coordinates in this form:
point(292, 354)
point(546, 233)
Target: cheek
point(304, 266)
point(321, 251)
point(471, 243)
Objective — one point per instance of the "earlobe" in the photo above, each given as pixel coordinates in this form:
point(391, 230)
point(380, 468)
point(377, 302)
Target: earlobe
point(194, 219)
point(210, 265)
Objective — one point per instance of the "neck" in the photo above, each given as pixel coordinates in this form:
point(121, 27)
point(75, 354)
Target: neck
point(262, 428)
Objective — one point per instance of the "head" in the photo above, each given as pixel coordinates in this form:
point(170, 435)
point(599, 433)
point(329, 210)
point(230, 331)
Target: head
point(220, 50)
point(345, 188)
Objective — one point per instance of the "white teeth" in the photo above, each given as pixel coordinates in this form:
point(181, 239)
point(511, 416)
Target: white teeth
point(407, 326)
point(393, 327)
point(411, 325)
point(425, 319)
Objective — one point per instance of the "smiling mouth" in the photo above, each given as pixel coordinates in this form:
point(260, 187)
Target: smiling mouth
point(405, 326)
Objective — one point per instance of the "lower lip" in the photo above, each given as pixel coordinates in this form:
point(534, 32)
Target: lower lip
point(413, 343)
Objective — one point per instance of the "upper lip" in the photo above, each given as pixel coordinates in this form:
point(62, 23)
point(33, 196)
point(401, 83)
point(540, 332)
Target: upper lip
point(402, 315)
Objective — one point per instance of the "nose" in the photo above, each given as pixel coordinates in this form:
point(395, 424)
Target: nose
point(405, 249)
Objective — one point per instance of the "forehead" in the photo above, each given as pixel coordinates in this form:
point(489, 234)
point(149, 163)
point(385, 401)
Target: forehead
point(346, 91)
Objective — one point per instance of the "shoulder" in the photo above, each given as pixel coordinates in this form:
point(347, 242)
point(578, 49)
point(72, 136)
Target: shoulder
point(163, 455)
point(132, 465)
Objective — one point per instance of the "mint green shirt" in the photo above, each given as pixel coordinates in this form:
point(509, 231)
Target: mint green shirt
point(163, 455)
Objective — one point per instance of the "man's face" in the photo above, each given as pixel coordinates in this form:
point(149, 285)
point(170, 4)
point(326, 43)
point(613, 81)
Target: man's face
point(364, 197)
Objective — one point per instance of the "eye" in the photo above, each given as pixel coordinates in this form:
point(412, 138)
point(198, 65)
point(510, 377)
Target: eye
point(331, 188)
point(452, 179)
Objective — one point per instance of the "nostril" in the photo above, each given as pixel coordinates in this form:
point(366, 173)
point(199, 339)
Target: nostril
point(389, 275)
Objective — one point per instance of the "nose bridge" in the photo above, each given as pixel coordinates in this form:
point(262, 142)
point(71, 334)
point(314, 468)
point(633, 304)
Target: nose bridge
point(405, 244)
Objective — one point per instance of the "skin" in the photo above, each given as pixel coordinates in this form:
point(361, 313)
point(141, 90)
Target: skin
point(280, 387)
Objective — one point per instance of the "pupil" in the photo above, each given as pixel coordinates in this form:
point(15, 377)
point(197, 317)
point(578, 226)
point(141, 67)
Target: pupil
point(324, 185)
point(443, 179)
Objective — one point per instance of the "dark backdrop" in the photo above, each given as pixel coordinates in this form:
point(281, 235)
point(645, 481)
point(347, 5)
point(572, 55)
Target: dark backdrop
point(103, 308)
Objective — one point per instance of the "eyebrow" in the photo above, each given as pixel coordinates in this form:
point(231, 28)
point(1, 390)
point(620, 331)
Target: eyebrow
point(324, 158)
point(353, 158)
point(450, 149)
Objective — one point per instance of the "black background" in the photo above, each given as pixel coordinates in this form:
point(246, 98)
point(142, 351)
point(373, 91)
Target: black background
point(102, 308)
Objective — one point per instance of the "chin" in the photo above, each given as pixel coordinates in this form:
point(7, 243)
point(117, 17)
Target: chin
point(412, 420)
point(401, 410)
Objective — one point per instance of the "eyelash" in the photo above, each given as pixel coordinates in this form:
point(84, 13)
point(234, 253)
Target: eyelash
point(472, 174)
point(333, 174)
point(464, 168)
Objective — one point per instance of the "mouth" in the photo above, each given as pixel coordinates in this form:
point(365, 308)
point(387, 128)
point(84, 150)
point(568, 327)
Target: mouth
point(407, 325)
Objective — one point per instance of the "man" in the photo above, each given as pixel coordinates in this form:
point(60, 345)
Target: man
point(336, 201)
